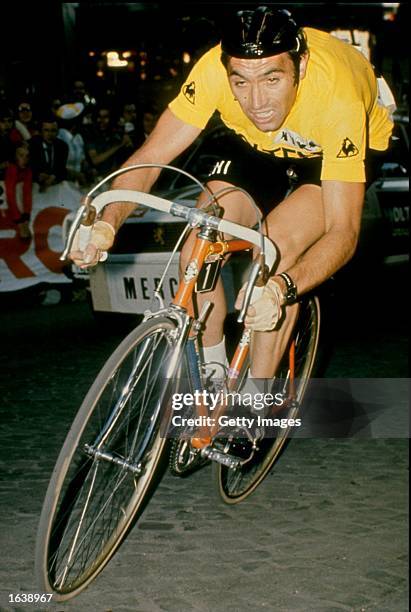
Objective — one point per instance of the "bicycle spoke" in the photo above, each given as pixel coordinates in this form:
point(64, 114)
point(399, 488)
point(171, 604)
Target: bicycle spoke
point(128, 387)
point(92, 521)
point(77, 533)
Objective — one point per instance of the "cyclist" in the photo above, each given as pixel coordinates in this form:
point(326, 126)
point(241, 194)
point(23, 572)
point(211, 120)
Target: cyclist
point(297, 103)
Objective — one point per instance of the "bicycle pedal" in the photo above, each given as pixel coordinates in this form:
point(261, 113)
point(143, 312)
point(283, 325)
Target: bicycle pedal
point(230, 451)
point(243, 448)
point(223, 458)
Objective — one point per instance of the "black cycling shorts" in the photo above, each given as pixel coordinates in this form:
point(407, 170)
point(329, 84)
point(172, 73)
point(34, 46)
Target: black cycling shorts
point(265, 177)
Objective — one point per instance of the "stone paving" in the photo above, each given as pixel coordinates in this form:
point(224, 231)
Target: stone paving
point(327, 530)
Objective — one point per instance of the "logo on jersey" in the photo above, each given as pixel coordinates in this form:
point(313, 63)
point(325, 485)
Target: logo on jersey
point(302, 144)
point(189, 91)
point(221, 167)
point(348, 149)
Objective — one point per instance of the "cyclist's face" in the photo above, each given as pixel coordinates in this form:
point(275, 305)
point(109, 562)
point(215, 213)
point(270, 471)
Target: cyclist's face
point(265, 88)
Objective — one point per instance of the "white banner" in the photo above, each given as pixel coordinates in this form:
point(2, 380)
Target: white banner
point(126, 283)
point(27, 262)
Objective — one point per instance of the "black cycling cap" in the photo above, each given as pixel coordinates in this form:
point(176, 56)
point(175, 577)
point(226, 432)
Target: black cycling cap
point(261, 33)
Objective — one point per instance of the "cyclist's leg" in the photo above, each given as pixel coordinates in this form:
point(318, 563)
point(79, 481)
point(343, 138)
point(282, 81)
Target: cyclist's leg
point(237, 208)
point(295, 225)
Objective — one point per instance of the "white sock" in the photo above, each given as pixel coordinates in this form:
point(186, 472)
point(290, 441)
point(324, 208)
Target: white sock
point(215, 355)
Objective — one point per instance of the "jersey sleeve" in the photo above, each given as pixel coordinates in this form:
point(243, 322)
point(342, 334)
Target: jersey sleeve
point(344, 144)
point(198, 97)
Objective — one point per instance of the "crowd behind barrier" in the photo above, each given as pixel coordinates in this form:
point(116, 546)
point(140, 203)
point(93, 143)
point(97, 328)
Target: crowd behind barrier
point(50, 154)
point(34, 258)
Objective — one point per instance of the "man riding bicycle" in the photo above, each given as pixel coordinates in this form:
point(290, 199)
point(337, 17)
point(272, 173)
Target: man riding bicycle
point(301, 108)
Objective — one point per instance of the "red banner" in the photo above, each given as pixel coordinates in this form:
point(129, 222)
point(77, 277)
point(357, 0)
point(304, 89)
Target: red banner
point(36, 260)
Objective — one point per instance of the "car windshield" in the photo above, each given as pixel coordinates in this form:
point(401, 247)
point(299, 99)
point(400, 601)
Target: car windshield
point(396, 162)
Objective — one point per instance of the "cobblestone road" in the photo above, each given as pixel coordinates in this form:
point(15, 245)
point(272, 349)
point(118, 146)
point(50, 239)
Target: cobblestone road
point(326, 531)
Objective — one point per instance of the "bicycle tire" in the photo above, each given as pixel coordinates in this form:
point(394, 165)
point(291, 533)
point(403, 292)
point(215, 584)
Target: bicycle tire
point(235, 485)
point(92, 501)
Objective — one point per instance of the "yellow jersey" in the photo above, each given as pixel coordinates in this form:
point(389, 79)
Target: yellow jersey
point(336, 114)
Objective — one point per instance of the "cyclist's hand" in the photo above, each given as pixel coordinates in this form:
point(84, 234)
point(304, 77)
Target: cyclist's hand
point(264, 313)
point(101, 239)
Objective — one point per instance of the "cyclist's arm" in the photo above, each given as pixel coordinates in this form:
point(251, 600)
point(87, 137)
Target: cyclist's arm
point(343, 203)
point(170, 137)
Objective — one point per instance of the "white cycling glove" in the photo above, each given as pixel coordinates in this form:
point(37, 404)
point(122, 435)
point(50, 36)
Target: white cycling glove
point(94, 248)
point(265, 312)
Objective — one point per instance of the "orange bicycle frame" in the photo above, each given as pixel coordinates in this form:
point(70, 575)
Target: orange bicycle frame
point(202, 249)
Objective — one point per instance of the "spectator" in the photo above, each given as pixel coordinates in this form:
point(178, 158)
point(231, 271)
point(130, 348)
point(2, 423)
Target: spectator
point(18, 182)
point(130, 124)
point(55, 104)
point(70, 120)
point(6, 144)
point(48, 155)
point(79, 92)
point(149, 120)
point(24, 127)
point(106, 148)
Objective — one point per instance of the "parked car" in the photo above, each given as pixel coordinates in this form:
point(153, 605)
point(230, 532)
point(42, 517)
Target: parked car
point(125, 283)
point(388, 197)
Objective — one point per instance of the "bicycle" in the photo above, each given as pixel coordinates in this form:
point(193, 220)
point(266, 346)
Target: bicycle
point(114, 453)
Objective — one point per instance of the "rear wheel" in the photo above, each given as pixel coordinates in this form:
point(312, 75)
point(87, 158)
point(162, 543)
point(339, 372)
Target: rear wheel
point(108, 462)
point(235, 484)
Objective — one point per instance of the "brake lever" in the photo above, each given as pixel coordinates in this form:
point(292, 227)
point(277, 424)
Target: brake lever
point(83, 220)
point(255, 271)
point(257, 280)
point(72, 231)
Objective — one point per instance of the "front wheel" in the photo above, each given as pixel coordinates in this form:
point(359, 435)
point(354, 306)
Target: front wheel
point(109, 460)
point(235, 484)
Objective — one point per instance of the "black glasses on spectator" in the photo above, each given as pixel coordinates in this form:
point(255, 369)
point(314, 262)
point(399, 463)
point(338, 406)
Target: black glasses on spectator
point(24, 108)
